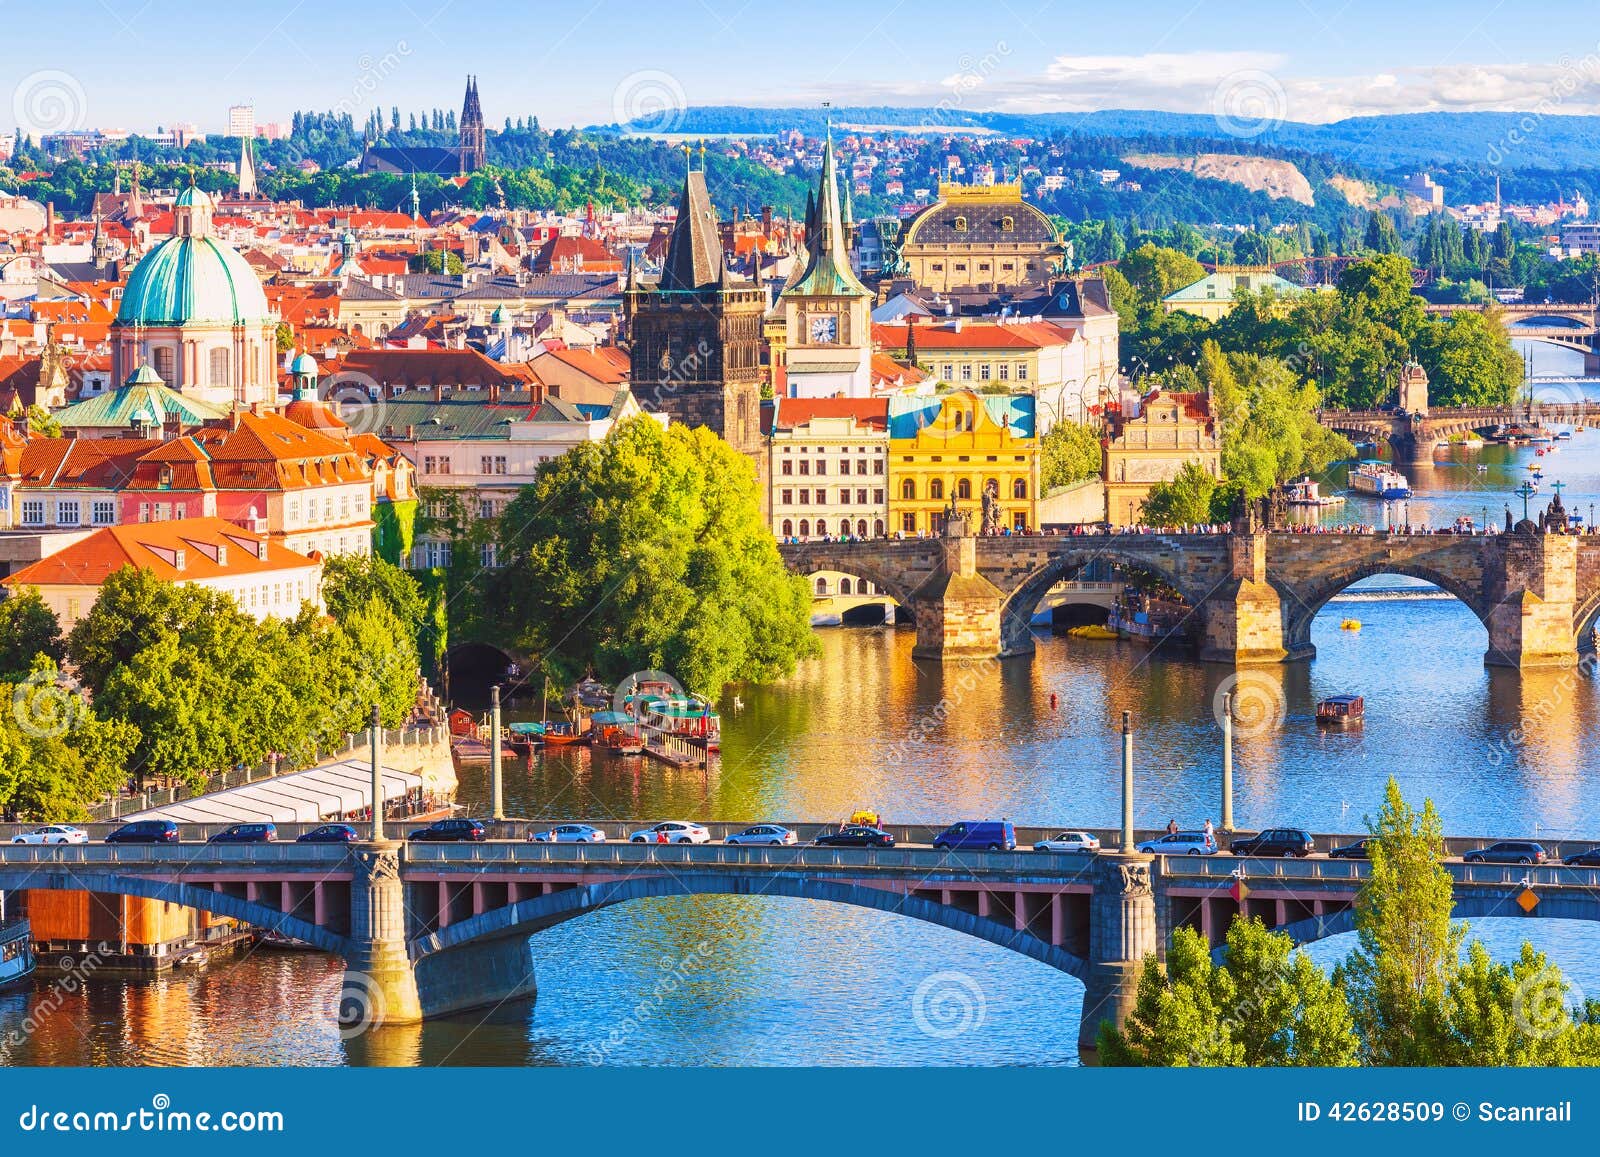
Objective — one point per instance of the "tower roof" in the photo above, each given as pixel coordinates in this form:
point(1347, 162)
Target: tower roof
point(694, 253)
point(828, 272)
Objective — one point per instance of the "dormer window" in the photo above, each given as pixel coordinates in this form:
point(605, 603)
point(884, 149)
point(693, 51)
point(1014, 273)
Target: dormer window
point(1008, 224)
point(961, 224)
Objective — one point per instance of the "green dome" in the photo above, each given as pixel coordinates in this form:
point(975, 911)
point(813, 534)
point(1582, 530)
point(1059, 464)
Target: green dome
point(305, 365)
point(144, 376)
point(191, 197)
point(192, 280)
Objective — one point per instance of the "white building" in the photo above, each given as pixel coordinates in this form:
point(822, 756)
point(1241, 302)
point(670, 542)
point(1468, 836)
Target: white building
point(829, 467)
point(242, 120)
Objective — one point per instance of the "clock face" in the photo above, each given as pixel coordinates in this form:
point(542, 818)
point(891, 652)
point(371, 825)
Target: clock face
point(824, 330)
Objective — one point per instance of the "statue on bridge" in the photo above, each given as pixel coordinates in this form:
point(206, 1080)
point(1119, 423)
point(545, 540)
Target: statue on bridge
point(991, 507)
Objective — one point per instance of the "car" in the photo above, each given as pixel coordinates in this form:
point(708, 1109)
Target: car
point(53, 834)
point(676, 831)
point(763, 834)
point(984, 835)
point(855, 836)
point(1179, 844)
point(145, 832)
point(329, 834)
point(1508, 852)
point(1069, 842)
point(568, 834)
point(1588, 858)
point(1355, 851)
point(450, 831)
point(1283, 842)
point(246, 834)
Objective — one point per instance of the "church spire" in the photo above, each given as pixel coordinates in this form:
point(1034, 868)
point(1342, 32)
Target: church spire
point(828, 271)
point(694, 252)
point(247, 171)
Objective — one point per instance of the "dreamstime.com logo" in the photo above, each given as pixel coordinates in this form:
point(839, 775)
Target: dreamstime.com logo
point(48, 101)
point(45, 707)
point(652, 683)
point(1541, 1007)
point(1248, 103)
point(358, 400)
point(1257, 703)
point(649, 101)
point(948, 1004)
point(357, 1003)
point(159, 1117)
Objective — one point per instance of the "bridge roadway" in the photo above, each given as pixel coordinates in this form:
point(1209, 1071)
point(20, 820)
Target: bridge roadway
point(432, 929)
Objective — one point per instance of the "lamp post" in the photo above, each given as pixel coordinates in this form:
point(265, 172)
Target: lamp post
point(494, 752)
point(375, 733)
point(1127, 781)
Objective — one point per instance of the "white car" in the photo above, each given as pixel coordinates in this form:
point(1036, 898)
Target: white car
point(1069, 842)
point(568, 834)
point(676, 831)
point(53, 834)
point(763, 834)
point(1180, 844)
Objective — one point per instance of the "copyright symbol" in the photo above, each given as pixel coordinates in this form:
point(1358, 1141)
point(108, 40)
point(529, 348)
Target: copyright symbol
point(1462, 1111)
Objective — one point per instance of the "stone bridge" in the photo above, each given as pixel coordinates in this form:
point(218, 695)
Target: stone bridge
point(429, 930)
point(1575, 325)
point(1253, 594)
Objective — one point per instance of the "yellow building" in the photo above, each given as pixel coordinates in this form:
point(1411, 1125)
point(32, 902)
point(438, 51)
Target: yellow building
point(983, 237)
point(1152, 445)
point(956, 446)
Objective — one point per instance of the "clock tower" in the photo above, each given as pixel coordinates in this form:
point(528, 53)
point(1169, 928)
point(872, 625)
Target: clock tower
point(826, 310)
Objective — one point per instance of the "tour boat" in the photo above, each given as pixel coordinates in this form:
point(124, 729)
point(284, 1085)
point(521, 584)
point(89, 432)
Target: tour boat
point(1306, 492)
point(616, 732)
point(563, 735)
point(1565, 434)
point(686, 716)
point(1340, 711)
point(1374, 478)
point(16, 952)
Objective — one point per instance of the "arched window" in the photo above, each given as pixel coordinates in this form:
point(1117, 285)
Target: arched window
point(1008, 224)
point(908, 489)
point(788, 528)
point(219, 367)
point(877, 527)
point(861, 527)
point(805, 528)
point(1019, 488)
point(936, 488)
point(844, 586)
point(964, 489)
point(822, 526)
point(822, 585)
point(961, 224)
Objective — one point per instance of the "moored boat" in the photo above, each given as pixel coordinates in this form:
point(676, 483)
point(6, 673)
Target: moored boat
point(1374, 478)
point(1307, 492)
point(16, 951)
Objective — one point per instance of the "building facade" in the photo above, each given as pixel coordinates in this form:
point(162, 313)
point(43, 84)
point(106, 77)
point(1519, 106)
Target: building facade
point(980, 237)
point(1151, 444)
point(955, 448)
point(830, 467)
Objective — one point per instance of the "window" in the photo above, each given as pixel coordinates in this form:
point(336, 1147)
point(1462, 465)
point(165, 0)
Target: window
point(947, 371)
point(938, 266)
point(219, 367)
point(805, 528)
point(144, 512)
point(788, 466)
point(861, 465)
point(68, 512)
point(294, 511)
point(787, 498)
point(788, 528)
point(486, 508)
point(822, 526)
point(877, 467)
point(1019, 489)
point(805, 497)
point(877, 497)
point(494, 464)
point(908, 522)
point(805, 466)
point(983, 372)
point(964, 489)
point(1022, 371)
point(33, 512)
point(822, 585)
point(105, 512)
point(165, 365)
point(487, 554)
point(1008, 224)
point(961, 225)
point(861, 531)
point(861, 497)
point(877, 527)
point(936, 488)
point(844, 586)
point(344, 508)
point(966, 372)
point(822, 466)
point(908, 490)
point(1005, 372)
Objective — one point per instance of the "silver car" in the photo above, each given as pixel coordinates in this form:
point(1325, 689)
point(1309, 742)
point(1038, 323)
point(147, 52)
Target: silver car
point(674, 831)
point(568, 834)
point(1072, 841)
point(763, 834)
point(1180, 844)
point(53, 834)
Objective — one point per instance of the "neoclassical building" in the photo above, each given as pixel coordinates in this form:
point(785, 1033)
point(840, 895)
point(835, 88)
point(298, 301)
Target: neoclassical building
point(194, 311)
point(980, 237)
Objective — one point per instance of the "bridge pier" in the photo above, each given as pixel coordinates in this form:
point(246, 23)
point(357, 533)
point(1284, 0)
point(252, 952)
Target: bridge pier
point(1122, 933)
point(380, 986)
point(1534, 592)
point(958, 611)
point(1244, 618)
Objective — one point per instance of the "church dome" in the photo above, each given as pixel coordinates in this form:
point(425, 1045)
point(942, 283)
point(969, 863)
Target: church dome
point(304, 365)
point(192, 278)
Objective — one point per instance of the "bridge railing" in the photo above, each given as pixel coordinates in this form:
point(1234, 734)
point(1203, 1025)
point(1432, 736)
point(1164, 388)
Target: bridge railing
point(171, 856)
point(1355, 872)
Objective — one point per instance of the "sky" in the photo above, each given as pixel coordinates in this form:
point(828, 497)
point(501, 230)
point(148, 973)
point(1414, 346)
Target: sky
point(137, 64)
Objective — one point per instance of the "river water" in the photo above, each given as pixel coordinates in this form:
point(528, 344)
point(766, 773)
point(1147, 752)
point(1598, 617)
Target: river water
point(722, 981)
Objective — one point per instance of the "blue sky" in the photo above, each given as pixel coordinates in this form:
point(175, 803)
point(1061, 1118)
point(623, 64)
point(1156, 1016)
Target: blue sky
point(124, 63)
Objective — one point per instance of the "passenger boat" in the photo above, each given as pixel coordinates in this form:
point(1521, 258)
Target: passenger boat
point(1306, 492)
point(1341, 711)
point(1374, 478)
point(590, 693)
point(662, 708)
point(16, 951)
point(564, 734)
point(616, 733)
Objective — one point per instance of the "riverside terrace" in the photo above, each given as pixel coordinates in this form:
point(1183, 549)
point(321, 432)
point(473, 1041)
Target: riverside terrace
point(431, 929)
point(1255, 592)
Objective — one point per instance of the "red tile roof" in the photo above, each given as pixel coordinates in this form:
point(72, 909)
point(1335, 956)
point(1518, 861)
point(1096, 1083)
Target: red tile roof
point(155, 546)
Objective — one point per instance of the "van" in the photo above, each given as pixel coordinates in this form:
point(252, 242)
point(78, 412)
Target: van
point(983, 835)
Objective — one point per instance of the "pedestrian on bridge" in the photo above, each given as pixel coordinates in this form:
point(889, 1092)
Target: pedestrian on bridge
point(1172, 827)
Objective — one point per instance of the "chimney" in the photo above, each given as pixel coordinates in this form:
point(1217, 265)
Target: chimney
point(438, 391)
point(222, 554)
point(411, 432)
point(494, 393)
point(49, 221)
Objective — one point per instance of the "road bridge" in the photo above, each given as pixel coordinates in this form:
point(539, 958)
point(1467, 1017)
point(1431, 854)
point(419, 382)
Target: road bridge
point(1254, 593)
point(431, 929)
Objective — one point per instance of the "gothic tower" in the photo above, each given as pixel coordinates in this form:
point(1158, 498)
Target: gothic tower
point(695, 336)
point(474, 150)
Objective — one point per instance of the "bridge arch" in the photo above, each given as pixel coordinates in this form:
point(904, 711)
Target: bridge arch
point(39, 878)
point(857, 567)
point(1302, 605)
point(529, 916)
point(1016, 620)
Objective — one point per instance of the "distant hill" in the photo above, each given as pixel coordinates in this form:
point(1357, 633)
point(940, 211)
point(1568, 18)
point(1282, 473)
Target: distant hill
point(1499, 140)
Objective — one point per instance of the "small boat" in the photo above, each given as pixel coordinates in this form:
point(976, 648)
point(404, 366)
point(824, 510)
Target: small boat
point(1093, 631)
point(564, 735)
point(1306, 492)
point(524, 737)
point(1350, 625)
point(615, 732)
point(1341, 711)
point(1565, 434)
point(590, 693)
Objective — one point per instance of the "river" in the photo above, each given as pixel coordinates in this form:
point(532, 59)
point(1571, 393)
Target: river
point(722, 981)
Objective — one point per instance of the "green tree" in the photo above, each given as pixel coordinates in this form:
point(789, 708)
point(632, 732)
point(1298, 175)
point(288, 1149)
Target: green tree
point(56, 754)
point(1183, 501)
point(648, 550)
point(438, 261)
point(28, 629)
point(1470, 362)
point(1068, 453)
point(1381, 236)
point(351, 581)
